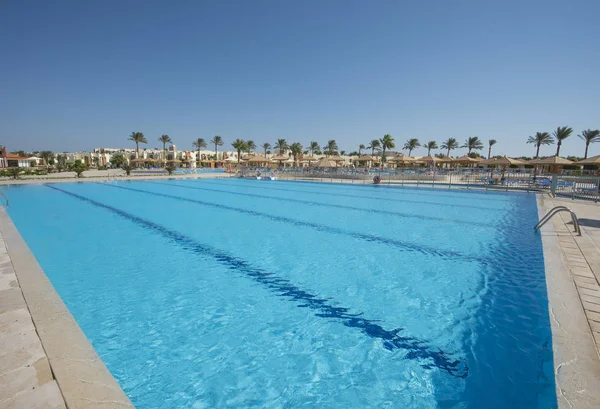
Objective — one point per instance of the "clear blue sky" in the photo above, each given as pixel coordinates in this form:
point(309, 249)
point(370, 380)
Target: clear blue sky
point(83, 74)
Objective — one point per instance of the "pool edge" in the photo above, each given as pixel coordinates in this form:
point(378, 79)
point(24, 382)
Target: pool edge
point(575, 358)
point(82, 377)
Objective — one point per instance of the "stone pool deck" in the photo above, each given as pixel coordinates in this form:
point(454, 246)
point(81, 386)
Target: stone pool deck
point(46, 362)
point(572, 276)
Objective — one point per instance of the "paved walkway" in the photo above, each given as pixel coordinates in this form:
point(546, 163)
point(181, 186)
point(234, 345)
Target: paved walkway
point(26, 380)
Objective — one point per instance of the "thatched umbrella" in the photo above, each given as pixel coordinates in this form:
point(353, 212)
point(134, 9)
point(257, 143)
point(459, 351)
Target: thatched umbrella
point(594, 160)
point(555, 163)
point(258, 159)
point(504, 162)
point(368, 159)
point(326, 163)
point(337, 158)
point(467, 160)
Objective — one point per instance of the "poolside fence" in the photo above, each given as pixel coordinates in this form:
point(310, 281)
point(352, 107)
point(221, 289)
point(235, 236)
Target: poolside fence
point(576, 187)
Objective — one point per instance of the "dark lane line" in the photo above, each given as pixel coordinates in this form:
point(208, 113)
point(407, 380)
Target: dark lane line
point(319, 227)
point(329, 193)
point(311, 203)
point(417, 349)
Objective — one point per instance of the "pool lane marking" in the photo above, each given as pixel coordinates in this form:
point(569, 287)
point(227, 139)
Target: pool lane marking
point(308, 202)
point(348, 187)
point(416, 349)
point(319, 227)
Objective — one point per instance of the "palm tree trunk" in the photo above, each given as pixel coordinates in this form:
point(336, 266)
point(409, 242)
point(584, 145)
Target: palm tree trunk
point(409, 152)
point(137, 149)
point(587, 144)
point(490, 152)
point(537, 152)
point(447, 154)
point(558, 148)
point(428, 151)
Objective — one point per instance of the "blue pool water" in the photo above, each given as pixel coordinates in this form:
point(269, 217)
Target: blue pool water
point(255, 294)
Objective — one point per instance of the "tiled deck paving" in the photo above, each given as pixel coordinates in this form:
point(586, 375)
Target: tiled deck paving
point(26, 380)
point(46, 362)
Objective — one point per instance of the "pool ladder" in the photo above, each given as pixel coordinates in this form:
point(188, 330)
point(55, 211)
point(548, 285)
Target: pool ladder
point(556, 210)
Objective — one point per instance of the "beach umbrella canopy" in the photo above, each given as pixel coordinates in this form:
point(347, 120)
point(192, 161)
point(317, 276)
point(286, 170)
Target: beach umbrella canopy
point(256, 159)
point(337, 158)
point(466, 160)
point(309, 158)
point(279, 158)
point(594, 160)
point(430, 159)
point(504, 161)
point(326, 163)
point(553, 160)
point(365, 158)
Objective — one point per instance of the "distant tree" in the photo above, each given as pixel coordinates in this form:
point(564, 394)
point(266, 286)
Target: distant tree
point(217, 141)
point(313, 147)
point(590, 136)
point(342, 153)
point(240, 146)
point(331, 147)
point(14, 172)
point(266, 146)
point(117, 159)
point(472, 143)
point(138, 138)
point(430, 145)
point(46, 156)
point(387, 142)
point(449, 144)
point(296, 149)
point(199, 143)
point(539, 139)
point(411, 145)
point(281, 145)
point(165, 139)
point(127, 168)
point(79, 167)
point(250, 146)
point(561, 134)
point(491, 143)
point(374, 145)
point(360, 148)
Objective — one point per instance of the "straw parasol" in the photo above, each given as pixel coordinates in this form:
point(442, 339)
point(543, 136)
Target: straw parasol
point(256, 159)
point(504, 161)
point(326, 163)
point(430, 159)
point(553, 160)
point(337, 158)
point(594, 160)
point(279, 158)
point(467, 160)
point(365, 158)
point(309, 158)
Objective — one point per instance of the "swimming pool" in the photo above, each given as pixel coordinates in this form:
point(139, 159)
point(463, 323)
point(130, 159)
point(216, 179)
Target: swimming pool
point(217, 293)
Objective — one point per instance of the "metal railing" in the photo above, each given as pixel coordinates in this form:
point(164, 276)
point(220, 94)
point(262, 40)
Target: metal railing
point(554, 211)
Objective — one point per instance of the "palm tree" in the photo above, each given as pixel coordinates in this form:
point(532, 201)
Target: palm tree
point(138, 138)
point(217, 141)
point(313, 147)
point(449, 144)
point(199, 144)
point(561, 134)
point(266, 146)
point(540, 138)
point(375, 144)
point(296, 149)
point(250, 146)
point(281, 145)
point(472, 143)
point(360, 148)
point(47, 156)
point(331, 147)
point(165, 139)
point(590, 136)
point(491, 143)
point(411, 144)
point(387, 142)
point(430, 145)
point(239, 145)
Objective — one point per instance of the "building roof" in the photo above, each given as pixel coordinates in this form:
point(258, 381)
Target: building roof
point(16, 157)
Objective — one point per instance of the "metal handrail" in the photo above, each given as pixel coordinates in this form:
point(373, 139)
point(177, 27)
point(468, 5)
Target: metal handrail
point(556, 210)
